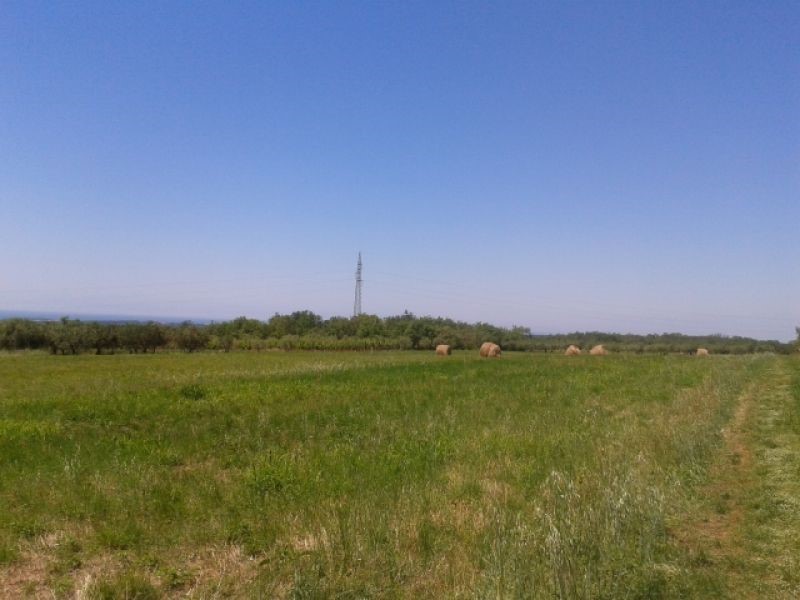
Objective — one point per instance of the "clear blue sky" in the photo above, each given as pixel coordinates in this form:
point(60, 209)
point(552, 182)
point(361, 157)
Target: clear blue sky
point(564, 166)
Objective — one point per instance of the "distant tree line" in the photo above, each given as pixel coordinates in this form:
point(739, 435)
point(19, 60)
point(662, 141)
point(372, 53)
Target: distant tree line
point(304, 330)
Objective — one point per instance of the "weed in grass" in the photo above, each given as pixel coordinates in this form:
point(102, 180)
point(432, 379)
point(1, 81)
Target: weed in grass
point(28, 529)
point(67, 557)
point(240, 533)
point(117, 535)
point(8, 551)
point(193, 391)
point(124, 586)
point(272, 475)
point(426, 540)
point(721, 506)
point(176, 579)
point(63, 587)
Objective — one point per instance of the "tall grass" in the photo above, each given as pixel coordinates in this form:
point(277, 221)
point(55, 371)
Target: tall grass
point(387, 474)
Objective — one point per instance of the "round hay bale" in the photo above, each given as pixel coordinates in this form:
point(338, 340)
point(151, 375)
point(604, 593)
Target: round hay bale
point(702, 352)
point(443, 350)
point(489, 349)
point(598, 350)
point(572, 351)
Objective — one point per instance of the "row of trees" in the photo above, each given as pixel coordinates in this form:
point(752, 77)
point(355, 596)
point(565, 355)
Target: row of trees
point(70, 336)
point(306, 330)
point(406, 330)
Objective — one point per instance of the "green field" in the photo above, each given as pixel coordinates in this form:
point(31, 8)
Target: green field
point(352, 475)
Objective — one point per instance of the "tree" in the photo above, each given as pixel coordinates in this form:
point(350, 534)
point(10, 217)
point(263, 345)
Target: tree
point(101, 337)
point(190, 337)
point(128, 337)
point(368, 326)
point(340, 327)
point(278, 326)
point(20, 334)
point(67, 336)
point(299, 322)
point(449, 335)
point(418, 330)
point(151, 336)
point(242, 326)
point(302, 322)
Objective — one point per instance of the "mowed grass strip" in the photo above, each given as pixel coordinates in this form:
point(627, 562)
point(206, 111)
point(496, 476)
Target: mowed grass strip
point(768, 565)
point(325, 474)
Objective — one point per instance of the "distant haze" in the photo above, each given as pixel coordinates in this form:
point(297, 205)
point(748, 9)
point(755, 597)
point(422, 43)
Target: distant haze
point(628, 167)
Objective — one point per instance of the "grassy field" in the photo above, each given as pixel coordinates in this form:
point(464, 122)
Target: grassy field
point(318, 475)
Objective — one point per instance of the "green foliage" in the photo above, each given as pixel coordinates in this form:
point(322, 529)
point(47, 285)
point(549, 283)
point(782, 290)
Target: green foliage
point(17, 334)
point(304, 330)
point(67, 337)
point(298, 323)
point(190, 337)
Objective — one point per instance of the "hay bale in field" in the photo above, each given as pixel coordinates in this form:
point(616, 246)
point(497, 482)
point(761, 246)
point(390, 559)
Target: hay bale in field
point(489, 349)
point(598, 350)
point(443, 350)
point(702, 352)
point(572, 351)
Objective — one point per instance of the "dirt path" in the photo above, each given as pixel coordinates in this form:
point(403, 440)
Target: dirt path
point(749, 529)
point(772, 529)
point(716, 538)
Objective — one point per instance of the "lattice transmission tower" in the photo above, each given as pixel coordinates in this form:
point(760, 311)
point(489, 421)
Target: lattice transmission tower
point(357, 303)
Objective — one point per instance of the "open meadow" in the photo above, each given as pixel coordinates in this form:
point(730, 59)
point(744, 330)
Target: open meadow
point(399, 474)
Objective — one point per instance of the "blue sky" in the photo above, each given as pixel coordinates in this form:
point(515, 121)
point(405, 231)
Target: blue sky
point(563, 166)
